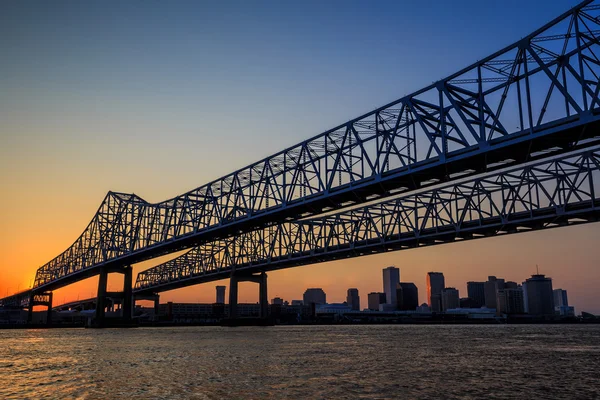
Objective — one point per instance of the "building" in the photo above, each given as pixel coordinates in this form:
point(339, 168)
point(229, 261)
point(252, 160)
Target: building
point(424, 308)
point(375, 299)
point(476, 292)
point(450, 299)
point(435, 285)
point(353, 299)
point(314, 296)
point(480, 313)
point(297, 303)
point(277, 301)
point(510, 301)
point(220, 295)
point(560, 298)
point(391, 280)
point(511, 285)
point(467, 302)
point(407, 296)
point(561, 304)
point(540, 297)
point(334, 308)
point(491, 288)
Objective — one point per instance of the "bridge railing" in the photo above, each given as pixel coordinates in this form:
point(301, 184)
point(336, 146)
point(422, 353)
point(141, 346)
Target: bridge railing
point(546, 84)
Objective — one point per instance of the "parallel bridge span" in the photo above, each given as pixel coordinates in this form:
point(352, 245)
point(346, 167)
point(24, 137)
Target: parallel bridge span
point(542, 195)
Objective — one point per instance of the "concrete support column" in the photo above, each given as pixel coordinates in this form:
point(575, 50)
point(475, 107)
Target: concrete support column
point(156, 306)
point(49, 313)
point(30, 311)
point(101, 297)
point(128, 294)
point(233, 297)
point(263, 297)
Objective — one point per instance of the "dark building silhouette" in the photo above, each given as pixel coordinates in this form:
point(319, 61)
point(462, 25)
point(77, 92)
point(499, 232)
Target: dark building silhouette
point(450, 299)
point(220, 294)
point(435, 285)
point(407, 296)
point(467, 302)
point(476, 292)
point(277, 301)
point(538, 295)
point(353, 299)
point(375, 299)
point(510, 301)
point(314, 296)
point(560, 298)
point(391, 279)
point(492, 286)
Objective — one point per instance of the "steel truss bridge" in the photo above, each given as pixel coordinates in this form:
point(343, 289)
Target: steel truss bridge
point(542, 195)
point(382, 181)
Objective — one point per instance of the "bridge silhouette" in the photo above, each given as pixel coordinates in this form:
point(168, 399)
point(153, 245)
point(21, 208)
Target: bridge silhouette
point(505, 145)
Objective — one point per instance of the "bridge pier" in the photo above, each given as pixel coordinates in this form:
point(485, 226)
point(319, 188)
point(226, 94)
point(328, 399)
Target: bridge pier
point(127, 310)
point(101, 298)
point(42, 299)
point(126, 295)
point(235, 279)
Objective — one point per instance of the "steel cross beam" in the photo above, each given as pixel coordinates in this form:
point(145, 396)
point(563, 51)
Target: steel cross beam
point(539, 94)
point(545, 194)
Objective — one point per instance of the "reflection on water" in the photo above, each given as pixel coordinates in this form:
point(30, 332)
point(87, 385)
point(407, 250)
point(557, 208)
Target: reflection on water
point(395, 361)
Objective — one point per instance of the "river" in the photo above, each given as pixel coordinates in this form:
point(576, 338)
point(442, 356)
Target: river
point(303, 362)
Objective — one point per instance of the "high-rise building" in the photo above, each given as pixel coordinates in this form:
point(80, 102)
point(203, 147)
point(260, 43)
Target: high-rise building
point(560, 298)
point(375, 299)
point(353, 299)
point(476, 292)
point(510, 301)
point(314, 296)
point(540, 298)
point(220, 295)
point(407, 296)
point(391, 279)
point(450, 299)
point(435, 285)
point(491, 287)
point(561, 303)
point(511, 285)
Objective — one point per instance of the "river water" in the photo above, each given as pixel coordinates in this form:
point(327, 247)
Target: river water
point(303, 362)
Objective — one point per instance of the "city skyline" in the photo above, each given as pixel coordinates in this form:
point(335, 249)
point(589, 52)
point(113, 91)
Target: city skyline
point(54, 139)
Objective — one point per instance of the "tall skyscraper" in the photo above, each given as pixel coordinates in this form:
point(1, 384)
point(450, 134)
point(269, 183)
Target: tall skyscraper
point(435, 285)
point(510, 301)
point(407, 295)
point(220, 295)
point(314, 296)
point(450, 299)
point(375, 299)
point(492, 286)
point(540, 297)
point(353, 299)
point(391, 280)
point(476, 292)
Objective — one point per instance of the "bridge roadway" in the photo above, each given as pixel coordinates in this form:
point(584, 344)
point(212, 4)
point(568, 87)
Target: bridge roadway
point(546, 194)
point(536, 96)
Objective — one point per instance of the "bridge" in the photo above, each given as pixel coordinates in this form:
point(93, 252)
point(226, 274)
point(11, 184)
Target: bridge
point(498, 147)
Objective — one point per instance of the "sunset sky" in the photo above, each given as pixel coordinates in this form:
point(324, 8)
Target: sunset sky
point(157, 98)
